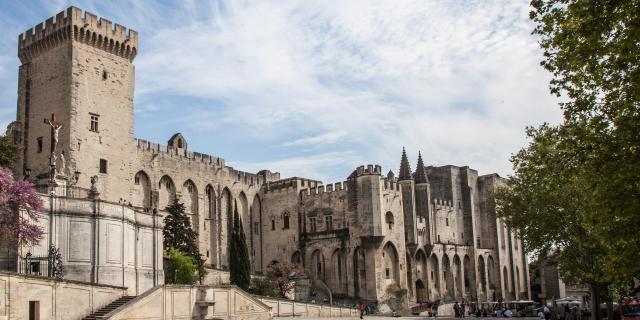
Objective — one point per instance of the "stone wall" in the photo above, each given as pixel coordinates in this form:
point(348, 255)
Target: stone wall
point(102, 242)
point(288, 308)
point(193, 302)
point(61, 300)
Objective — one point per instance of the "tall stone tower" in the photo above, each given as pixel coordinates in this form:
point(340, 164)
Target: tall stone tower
point(80, 69)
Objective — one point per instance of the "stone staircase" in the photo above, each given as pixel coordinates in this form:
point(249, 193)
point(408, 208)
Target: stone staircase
point(100, 314)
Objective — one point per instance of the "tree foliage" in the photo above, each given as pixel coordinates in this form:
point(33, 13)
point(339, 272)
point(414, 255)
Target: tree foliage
point(180, 268)
point(179, 235)
point(576, 187)
point(20, 211)
point(263, 286)
point(239, 264)
point(8, 151)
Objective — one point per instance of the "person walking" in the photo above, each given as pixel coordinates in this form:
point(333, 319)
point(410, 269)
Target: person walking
point(361, 308)
point(456, 310)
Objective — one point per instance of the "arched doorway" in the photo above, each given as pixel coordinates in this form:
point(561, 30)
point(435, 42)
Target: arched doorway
point(421, 291)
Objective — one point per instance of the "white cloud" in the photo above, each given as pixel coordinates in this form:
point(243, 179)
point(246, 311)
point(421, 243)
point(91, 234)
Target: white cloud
point(457, 79)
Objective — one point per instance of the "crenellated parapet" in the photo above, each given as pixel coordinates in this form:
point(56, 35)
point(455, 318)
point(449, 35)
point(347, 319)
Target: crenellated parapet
point(368, 170)
point(292, 184)
point(74, 24)
point(312, 192)
point(443, 204)
point(195, 158)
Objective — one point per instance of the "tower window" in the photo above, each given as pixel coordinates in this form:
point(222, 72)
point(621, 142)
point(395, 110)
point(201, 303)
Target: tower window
point(438, 238)
point(103, 166)
point(273, 223)
point(312, 224)
point(387, 273)
point(39, 140)
point(328, 223)
point(286, 221)
point(105, 75)
point(447, 221)
point(94, 122)
point(256, 228)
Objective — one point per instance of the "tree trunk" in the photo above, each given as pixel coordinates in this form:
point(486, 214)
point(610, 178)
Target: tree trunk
point(595, 302)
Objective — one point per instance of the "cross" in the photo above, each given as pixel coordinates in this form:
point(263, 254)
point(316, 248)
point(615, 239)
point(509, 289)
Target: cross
point(55, 128)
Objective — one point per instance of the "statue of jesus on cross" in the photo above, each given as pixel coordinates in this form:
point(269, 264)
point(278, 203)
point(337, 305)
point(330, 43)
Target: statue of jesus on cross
point(56, 125)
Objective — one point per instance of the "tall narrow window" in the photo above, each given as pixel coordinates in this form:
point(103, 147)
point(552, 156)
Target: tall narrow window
point(94, 122)
point(447, 221)
point(328, 223)
point(105, 75)
point(256, 228)
point(39, 140)
point(273, 223)
point(312, 224)
point(286, 220)
point(103, 166)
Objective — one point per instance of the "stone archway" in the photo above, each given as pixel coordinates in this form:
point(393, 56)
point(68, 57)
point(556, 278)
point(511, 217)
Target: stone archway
point(142, 190)
point(421, 291)
point(359, 273)
point(483, 279)
point(391, 263)
point(166, 192)
point(458, 281)
point(434, 278)
point(448, 291)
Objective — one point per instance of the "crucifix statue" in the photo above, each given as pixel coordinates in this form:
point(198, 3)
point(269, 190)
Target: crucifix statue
point(56, 125)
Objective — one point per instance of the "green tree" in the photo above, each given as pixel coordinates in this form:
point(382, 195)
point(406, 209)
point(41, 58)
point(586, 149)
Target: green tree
point(263, 286)
point(8, 152)
point(239, 264)
point(179, 235)
point(180, 268)
point(576, 186)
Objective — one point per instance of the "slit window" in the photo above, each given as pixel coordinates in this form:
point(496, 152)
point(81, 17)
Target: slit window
point(103, 166)
point(273, 223)
point(105, 75)
point(286, 221)
point(94, 122)
point(39, 140)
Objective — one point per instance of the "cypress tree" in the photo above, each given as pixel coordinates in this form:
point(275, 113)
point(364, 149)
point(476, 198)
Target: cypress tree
point(179, 235)
point(239, 264)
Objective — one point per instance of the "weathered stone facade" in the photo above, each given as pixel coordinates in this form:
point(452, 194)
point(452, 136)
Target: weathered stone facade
point(425, 235)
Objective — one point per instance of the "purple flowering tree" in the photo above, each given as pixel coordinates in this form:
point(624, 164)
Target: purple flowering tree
point(20, 211)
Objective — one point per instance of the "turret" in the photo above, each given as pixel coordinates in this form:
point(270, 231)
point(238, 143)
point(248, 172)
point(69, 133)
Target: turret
point(408, 200)
point(405, 169)
point(420, 176)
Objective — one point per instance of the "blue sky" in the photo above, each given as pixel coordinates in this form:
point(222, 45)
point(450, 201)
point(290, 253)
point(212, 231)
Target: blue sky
point(316, 88)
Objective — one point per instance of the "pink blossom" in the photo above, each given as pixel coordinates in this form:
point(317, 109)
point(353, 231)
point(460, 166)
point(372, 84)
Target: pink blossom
point(20, 210)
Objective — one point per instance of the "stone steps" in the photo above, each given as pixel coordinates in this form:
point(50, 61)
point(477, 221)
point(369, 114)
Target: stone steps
point(100, 314)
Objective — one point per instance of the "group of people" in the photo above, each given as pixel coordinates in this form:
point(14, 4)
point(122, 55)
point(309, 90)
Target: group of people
point(565, 312)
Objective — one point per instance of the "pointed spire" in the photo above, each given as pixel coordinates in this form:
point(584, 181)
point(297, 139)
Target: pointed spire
point(405, 170)
point(421, 175)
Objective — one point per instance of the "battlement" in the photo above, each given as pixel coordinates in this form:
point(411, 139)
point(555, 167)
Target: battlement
point(190, 157)
point(322, 189)
point(290, 184)
point(391, 184)
point(85, 28)
point(369, 170)
point(444, 204)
